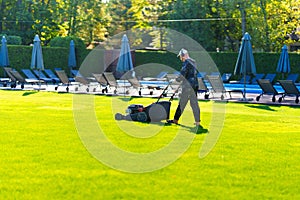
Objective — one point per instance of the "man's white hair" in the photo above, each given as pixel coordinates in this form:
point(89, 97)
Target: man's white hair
point(182, 52)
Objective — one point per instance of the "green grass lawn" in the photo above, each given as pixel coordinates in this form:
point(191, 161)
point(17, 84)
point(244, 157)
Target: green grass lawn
point(43, 157)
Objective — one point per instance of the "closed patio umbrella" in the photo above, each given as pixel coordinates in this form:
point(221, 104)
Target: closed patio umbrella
point(245, 62)
point(37, 56)
point(125, 61)
point(283, 65)
point(72, 56)
point(125, 65)
point(4, 61)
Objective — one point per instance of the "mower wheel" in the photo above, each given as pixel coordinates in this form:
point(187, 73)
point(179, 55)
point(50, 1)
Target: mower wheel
point(119, 116)
point(141, 116)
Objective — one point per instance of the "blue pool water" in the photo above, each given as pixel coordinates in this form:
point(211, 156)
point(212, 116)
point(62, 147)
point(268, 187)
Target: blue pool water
point(250, 88)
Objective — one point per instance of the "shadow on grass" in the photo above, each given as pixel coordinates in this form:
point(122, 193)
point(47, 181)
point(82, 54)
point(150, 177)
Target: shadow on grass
point(193, 129)
point(29, 93)
point(126, 99)
point(262, 107)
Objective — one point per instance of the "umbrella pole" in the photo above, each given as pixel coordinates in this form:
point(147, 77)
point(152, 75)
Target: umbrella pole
point(39, 79)
point(244, 94)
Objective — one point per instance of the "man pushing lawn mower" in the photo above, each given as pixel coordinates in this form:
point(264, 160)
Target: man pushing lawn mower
point(160, 110)
point(188, 76)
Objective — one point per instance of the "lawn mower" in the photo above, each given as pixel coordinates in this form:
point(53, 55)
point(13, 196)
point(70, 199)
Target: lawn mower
point(155, 112)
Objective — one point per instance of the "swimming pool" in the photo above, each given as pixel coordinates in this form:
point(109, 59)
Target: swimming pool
point(250, 88)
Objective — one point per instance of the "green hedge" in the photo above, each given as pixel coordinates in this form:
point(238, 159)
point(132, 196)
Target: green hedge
point(65, 42)
point(265, 62)
point(57, 57)
point(12, 40)
point(54, 57)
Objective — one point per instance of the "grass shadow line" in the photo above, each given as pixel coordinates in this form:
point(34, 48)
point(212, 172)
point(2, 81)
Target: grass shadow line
point(29, 93)
point(262, 107)
point(195, 129)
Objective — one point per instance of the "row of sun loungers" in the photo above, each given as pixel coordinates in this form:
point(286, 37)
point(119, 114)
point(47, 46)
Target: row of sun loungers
point(289, 87)
point(104, 81)
point(267, 88)
point(209, 85)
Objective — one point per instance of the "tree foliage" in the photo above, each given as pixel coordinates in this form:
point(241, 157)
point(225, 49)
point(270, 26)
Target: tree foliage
point(213, 23)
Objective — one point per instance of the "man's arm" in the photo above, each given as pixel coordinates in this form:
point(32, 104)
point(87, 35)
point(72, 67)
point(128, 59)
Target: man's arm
point(183, 73)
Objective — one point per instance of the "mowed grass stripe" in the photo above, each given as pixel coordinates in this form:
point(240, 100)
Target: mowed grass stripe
point(256, 156)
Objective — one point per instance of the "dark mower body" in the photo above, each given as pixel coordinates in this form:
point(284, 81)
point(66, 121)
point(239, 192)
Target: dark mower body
point(155, 112)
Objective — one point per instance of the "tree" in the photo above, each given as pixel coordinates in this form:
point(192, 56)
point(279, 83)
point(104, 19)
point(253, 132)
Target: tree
point(213, 23)
point(120, 17)
point(270, 23)
point(92, 21)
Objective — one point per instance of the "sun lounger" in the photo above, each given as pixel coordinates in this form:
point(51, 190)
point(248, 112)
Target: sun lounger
point(100, 78)
point(290, 89)
point(136, 85)
point(51, 75)
point(40, 73)
point(149, 85)
point(270, 77)
point(160, 77)
point(203, 88)
point(257, 77)
point(64, 80)
point(226, 77)
point(246, 78)
point(267, 89)
point(292, 77)
point(83, 80)
point(20, 79)
point(111, 81)
point(217, 86)
point(107, 81)
point(75, 72)
point(4, 81)
point(12, 80)
point(29, 74)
